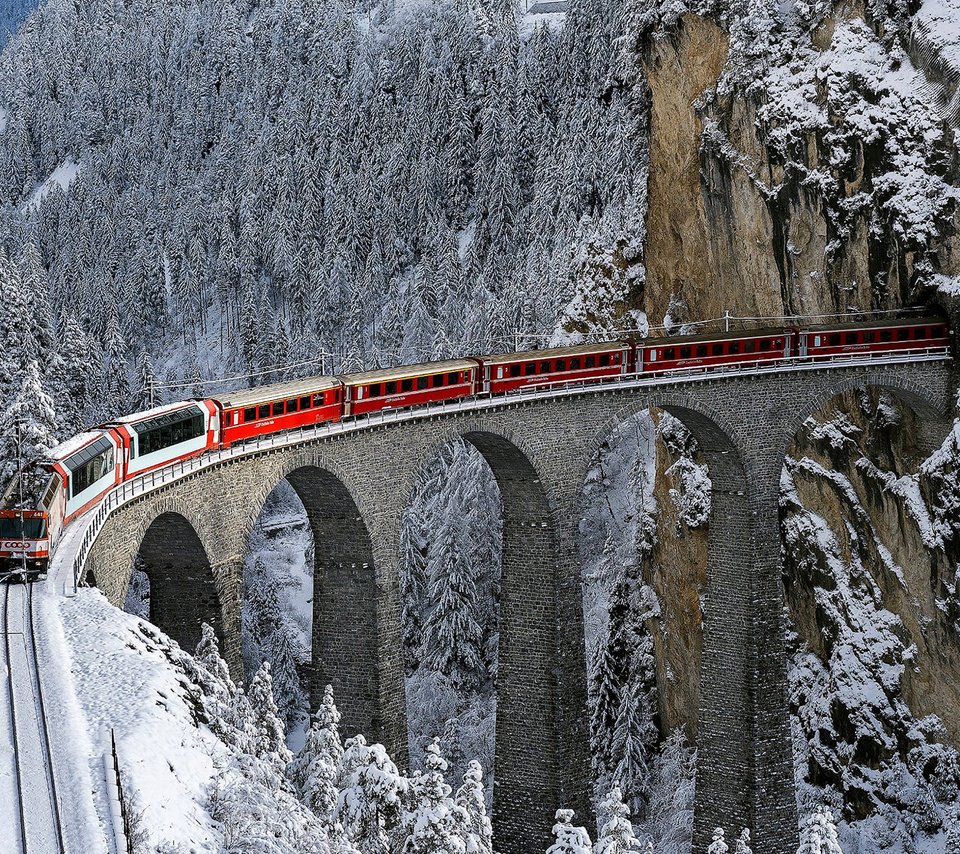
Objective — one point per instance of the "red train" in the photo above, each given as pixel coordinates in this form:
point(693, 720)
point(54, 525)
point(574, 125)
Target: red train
point(84, 468)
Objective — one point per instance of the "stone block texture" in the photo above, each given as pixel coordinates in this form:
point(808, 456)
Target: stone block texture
point(192, 535)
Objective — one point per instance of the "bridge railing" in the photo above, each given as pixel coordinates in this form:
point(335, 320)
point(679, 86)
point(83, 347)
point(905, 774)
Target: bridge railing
point(145, 483)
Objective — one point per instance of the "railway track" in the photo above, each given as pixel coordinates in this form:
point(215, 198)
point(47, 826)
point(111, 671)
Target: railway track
point(31, 783)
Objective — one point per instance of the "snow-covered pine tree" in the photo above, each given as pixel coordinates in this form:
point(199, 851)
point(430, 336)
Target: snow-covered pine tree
point(743, 842)
point(567, 838)
point(471, 797)
point(270, 743)
point(27, 435)
point(432, 822)
point(719, 844)
point(616, 834)
point(315, 768)
point(372, 793)
point(819, 835)
point(453, 637)
point(208, 654)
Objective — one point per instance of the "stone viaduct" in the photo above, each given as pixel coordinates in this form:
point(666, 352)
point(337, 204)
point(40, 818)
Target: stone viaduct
point(192, 535)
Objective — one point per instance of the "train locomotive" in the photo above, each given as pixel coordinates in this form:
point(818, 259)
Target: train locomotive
point(83, 469)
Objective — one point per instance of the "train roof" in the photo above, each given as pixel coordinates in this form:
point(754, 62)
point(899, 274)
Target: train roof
point(701, 337)
point(153, 413)
point(243, 397)
point(554, 352)
point(70, 446)
point(919, 320)
point(403, 372)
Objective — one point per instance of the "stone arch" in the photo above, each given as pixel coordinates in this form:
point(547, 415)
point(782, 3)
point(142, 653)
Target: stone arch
point(346, 624)
point(733, 760)
point(932, 411)
point(530, 739)
point(183, 588)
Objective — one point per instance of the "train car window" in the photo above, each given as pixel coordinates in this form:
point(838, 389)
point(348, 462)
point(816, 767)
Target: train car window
point(90, 464)
point(886, 335)
point(903, 334)
point(717, 349)
point(653, 354)
point(544, 367)
point(590, 362)
point(439, 380)
point(250, 414)
point(375, 390)
point(834, 340)
point(701, 350)
point(616, 358)
point(869, 337)
point(406, 385)
point(575, 364)
point(920, 332)
point(170, 429)
point(318, 399)
point(749, 346)
point(422, 382)
point(530, 368)
point(851, 338)
point(293, 405)
point(669, 353)
point(263, 411)
point(765, 345)
point(604, 360)
point(452, 378)
point(685, 352)
point(734, 348)
point(561, 364)
point(515, 370)
point(305, 402)
point(391, 388)
point(277, 407)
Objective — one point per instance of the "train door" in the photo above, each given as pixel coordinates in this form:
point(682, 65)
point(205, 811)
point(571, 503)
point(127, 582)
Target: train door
point(802, 343)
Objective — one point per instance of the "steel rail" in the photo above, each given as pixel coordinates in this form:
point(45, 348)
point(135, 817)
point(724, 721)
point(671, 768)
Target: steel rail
point(18, 773)
point(44, 727)
point(144, 483)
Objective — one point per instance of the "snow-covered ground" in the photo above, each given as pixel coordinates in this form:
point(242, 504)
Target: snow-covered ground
point(61, 177)
point(124, 679)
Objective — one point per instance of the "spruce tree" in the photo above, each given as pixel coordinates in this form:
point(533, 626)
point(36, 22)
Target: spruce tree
point(28, 435)
point(616, 834)
point(743, 842)
point(270, 744)
point(569, 839)
point(471, 798)
point(718, 845)
point(432, 822)
point(314, 770)
point(372, 793)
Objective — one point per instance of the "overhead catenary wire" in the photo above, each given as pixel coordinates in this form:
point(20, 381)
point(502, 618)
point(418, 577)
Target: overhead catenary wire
point(517, 338)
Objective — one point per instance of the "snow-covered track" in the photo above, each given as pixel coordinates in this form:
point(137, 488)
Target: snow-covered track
point(15, 774)
point(40, 820)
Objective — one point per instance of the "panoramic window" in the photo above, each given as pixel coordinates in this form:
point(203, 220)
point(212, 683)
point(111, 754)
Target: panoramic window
point(168, 430)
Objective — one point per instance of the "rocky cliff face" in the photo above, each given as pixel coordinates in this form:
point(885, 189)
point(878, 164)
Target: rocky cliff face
point(801, 170)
